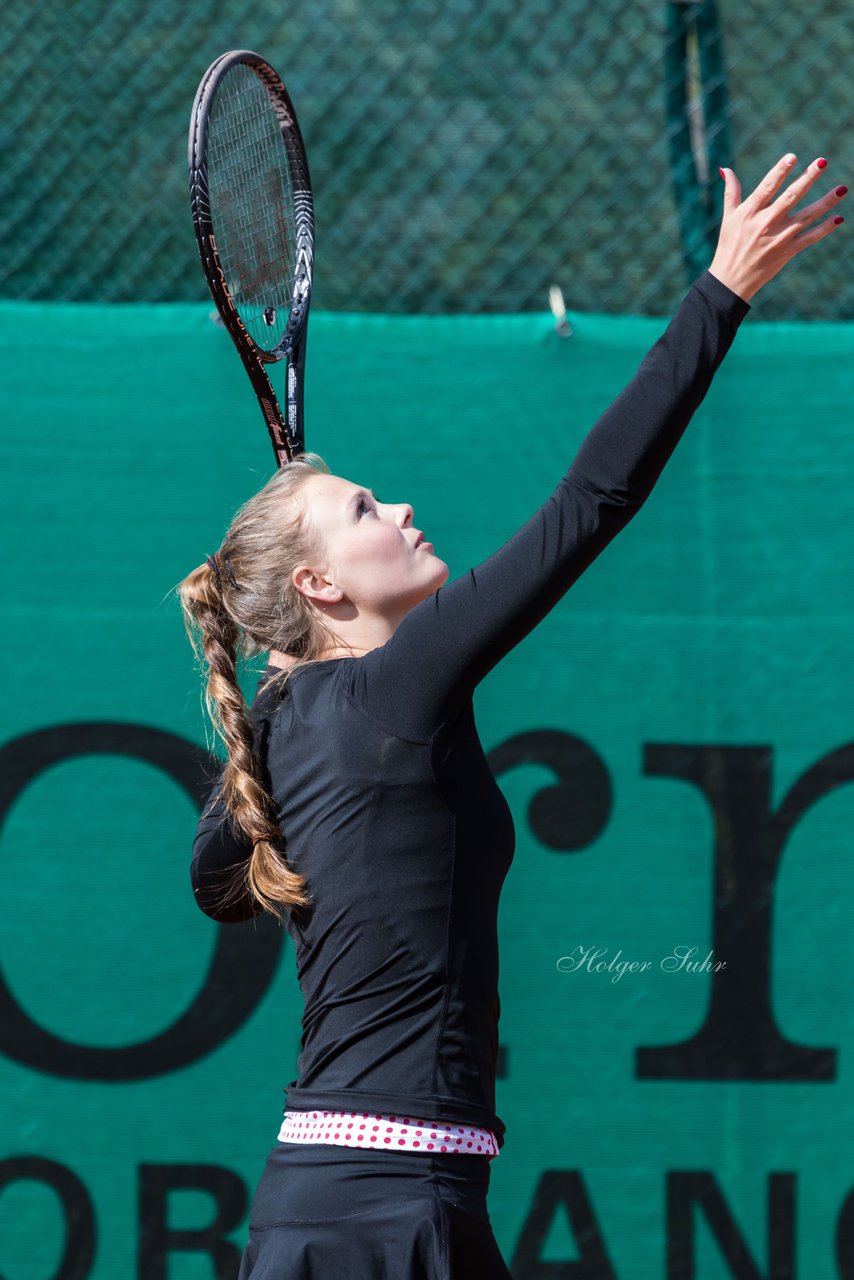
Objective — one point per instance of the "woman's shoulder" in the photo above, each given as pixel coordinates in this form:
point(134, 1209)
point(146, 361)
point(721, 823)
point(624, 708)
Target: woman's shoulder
point(268, 693)
point(278, 678)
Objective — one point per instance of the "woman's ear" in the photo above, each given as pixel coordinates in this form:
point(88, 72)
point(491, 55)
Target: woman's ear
point(316, 586)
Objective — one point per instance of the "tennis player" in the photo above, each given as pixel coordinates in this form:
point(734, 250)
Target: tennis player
point(356, 802)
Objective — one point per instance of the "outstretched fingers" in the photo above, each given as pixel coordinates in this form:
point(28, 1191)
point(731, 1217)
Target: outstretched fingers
point(771, 183)
point(790, 197)
point(795, 229)
point(759, 235)
point(812, 211)
point(818, 232)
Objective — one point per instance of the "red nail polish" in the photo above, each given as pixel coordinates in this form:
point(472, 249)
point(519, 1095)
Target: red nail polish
point(821, 164)
point(836, 221)
point(723, 175)
point(841, 191)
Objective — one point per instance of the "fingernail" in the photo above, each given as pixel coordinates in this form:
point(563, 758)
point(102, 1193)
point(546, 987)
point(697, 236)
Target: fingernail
point(821, 164)
point(841, 191)
point(836, 221)
point(723, 175)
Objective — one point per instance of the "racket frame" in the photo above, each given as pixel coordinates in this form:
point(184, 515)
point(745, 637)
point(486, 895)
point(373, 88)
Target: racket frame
point(286, 433)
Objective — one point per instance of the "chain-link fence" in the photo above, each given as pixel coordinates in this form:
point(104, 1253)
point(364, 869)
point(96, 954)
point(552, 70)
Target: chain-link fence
point(465, 154)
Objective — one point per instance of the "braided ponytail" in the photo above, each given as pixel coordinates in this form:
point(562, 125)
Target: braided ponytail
point(242, 602)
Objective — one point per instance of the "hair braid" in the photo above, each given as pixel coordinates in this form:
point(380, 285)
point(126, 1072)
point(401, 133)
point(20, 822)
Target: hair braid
point(245, 612)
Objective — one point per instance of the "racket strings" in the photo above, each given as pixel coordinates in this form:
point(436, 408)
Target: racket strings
point(253, 206)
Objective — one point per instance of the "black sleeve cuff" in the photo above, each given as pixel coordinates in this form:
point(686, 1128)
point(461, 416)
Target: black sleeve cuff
point(721, 293)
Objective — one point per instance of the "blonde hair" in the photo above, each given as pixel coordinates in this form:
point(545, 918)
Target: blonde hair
point(247, 608)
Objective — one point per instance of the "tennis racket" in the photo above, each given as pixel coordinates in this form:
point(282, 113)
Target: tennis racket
point(253, 215)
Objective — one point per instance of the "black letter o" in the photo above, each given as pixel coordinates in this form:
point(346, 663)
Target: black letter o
point(79, 1251)
point(244, 961)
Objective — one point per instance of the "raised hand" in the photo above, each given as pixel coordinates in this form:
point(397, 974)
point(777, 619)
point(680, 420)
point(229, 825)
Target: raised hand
point(759, 235)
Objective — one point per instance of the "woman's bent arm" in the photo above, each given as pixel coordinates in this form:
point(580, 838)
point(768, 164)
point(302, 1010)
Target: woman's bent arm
point(217, 855)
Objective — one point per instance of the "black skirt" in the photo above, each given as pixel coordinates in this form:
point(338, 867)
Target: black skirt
point(324, 1212)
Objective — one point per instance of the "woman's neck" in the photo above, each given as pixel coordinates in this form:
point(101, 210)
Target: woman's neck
point(287, 660)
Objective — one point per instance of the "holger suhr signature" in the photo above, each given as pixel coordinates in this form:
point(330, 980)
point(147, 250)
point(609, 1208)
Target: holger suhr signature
point(680, 960)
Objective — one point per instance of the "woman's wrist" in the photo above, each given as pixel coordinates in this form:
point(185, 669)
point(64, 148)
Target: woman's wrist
point(739, 284)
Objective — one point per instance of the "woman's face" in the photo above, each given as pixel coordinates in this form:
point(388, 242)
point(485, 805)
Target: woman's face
point(371, 558)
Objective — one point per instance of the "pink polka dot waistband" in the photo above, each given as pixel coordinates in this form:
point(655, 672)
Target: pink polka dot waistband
point(372, 1131)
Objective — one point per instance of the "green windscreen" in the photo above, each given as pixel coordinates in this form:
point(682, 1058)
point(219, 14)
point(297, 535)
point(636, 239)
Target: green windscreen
point(674, 739)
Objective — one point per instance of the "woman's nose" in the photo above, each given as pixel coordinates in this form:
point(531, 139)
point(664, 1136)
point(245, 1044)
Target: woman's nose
point(407, 513)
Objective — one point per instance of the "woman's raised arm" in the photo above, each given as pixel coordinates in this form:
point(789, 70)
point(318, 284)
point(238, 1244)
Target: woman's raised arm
point(448, 643)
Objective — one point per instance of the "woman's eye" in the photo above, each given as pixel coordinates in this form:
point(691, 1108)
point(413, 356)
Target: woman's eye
point(363, 506)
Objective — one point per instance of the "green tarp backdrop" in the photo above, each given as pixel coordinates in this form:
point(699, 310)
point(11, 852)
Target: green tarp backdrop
point(675, 740)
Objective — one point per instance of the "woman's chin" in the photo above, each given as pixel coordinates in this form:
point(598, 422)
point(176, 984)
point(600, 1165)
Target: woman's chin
point(442, 571)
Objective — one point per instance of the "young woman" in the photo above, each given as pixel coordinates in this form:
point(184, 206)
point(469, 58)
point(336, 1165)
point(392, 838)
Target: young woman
point(356, 800)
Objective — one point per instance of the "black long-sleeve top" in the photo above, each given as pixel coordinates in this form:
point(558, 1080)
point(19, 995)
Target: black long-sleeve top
point(384, 796)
